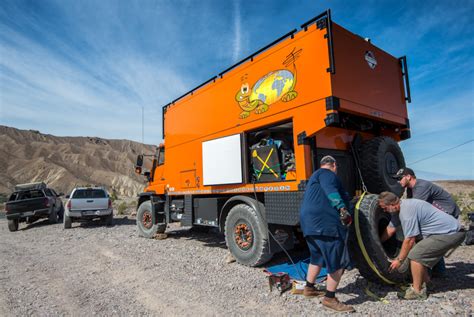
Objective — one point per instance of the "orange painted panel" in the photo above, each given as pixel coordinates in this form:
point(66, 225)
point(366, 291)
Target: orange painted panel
point(287, 75)
point(367, 76)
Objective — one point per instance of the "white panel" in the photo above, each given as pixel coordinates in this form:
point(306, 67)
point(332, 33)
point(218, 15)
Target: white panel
point(222, 161)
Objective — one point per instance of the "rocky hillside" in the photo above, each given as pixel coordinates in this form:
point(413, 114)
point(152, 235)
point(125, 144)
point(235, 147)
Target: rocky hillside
point(64, 162)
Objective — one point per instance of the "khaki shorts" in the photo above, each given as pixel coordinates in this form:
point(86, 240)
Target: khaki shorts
point(430, 250)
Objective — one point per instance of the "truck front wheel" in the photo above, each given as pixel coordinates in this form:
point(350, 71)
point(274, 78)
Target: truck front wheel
point(245, 236)
point(13, 225)
point(145, 226)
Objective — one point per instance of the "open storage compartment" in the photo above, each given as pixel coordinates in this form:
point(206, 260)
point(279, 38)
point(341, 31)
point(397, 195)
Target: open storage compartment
point(271, 154)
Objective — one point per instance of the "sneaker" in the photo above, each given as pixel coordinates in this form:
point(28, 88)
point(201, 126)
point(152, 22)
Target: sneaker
point(311, 291)
point(412, 294)
point(335, 305)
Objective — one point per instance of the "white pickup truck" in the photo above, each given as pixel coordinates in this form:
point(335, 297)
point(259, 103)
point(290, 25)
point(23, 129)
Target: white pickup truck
point(88, 203)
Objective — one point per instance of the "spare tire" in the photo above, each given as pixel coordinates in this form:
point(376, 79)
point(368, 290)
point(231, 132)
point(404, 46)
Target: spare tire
point(372, 222)
point(380, 159)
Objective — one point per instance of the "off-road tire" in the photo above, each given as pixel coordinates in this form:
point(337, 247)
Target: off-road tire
point(145, 207)
point(67, 221)
point(380, 159)
point(13, 225)
point(372, 220)
point(258, 253)
point(53, 216)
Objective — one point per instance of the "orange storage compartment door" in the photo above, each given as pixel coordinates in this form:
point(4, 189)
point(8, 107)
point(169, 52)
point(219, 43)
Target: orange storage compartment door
point(368, 81)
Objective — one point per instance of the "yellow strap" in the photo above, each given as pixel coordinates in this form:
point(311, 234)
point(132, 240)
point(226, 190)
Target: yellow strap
point(266, 165)
point(361, 243)
point(369, 293)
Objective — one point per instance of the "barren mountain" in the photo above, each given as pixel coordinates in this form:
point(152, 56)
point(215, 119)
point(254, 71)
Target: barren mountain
point(64, 162)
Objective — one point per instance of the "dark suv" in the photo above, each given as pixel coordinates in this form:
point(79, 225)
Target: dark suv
point(30, 202)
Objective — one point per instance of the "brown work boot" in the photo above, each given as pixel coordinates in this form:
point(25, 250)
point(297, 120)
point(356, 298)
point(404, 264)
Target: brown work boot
point(335, 305)
point(312, 291)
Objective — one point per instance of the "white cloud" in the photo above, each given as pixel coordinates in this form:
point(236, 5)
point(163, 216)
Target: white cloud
point(236, 45)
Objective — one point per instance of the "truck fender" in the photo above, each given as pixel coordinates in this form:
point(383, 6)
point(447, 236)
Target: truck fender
point(239, 199)
point(144, 197)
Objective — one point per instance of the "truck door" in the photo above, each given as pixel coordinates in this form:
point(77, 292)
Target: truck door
point(159, 167)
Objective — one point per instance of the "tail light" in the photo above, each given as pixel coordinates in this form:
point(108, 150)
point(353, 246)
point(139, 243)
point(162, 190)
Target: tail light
point(69, 205)
point(7, 208)
point(46, 202)
point(110, 203)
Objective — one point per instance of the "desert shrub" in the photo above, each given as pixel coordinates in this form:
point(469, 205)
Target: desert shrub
point(3, 198)
point(113, 195)
point(122, 208)
point(465, 201)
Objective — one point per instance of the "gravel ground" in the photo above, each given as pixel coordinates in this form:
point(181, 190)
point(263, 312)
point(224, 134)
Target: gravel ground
point(95, 270)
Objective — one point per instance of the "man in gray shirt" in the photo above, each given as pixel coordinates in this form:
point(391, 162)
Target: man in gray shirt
point(427, 191)
point(432, 193)
point(438, 231)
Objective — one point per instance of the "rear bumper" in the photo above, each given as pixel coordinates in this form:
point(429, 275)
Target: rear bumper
point(36, 213)
point(89, 213)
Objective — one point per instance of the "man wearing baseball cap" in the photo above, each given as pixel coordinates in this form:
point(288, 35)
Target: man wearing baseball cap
point(427, 191)
point(431, 193)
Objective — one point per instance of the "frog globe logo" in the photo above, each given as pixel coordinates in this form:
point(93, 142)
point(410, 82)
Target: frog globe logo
point(370, 59)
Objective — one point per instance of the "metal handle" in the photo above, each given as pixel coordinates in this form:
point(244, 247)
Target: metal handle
point(89, 201)
point(403, 64)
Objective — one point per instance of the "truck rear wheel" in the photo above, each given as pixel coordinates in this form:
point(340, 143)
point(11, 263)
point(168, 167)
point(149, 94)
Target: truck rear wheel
point(145, 226)
point(381, 158)
point(372, 222)
point(245, 236)
point(13, 225)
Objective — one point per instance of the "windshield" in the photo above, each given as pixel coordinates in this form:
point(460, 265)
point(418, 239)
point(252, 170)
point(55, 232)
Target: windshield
point(89, 193)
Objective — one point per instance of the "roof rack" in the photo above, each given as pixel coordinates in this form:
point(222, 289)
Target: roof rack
point(30, 186)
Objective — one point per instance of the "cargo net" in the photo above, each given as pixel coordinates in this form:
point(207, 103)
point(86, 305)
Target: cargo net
point(272, 157)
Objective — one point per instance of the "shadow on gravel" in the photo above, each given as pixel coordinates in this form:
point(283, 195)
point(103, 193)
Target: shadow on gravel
point(457, 278)
point(37, 224)
point(90, 224)
point(209, 236)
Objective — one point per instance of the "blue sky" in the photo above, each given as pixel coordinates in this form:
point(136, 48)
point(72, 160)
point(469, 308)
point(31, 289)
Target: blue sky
point(89, 67)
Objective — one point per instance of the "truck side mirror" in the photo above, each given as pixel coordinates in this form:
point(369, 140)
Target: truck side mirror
point(60, 194)
point(139, 161)
point(67, 196)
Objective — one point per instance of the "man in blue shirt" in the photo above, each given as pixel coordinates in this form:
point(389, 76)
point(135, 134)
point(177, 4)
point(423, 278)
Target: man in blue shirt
point(324, 220)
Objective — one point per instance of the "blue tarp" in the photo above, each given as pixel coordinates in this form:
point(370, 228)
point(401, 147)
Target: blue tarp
point(292, 270)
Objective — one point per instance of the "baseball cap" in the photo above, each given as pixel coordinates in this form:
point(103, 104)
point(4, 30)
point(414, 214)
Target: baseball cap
point(328, 159)
point(403, 172)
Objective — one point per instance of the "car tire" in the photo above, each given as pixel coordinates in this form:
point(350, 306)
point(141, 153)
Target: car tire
point(145, 226)
point(245, 236)
point(67, 222)
point(372, 221)
point(61, 213)
point(380, 159)
point(53, 216)
point(13, 225)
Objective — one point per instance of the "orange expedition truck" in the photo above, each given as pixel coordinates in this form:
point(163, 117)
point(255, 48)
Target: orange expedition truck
point(239, 149)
